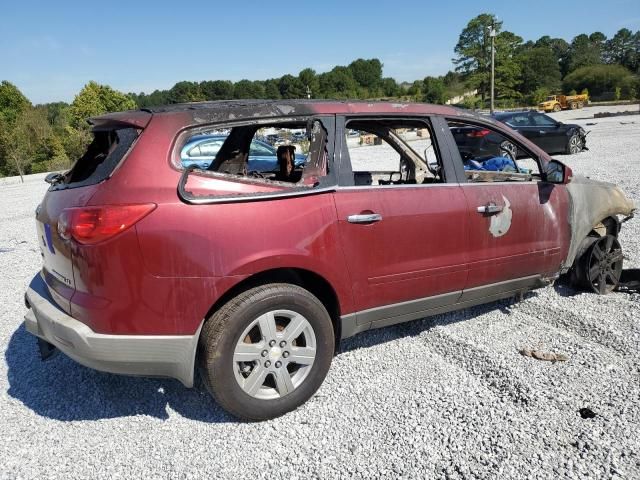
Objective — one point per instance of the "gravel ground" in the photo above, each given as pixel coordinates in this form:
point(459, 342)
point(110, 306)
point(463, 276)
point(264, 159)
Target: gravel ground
point(444, 397)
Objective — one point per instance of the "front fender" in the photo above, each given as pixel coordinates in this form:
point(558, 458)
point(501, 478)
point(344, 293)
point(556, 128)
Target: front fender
point(590, 202)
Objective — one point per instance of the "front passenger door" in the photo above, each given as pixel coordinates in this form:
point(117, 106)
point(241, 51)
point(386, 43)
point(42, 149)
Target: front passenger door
point(517, 222)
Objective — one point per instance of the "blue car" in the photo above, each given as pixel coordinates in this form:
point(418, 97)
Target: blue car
point(201, 151)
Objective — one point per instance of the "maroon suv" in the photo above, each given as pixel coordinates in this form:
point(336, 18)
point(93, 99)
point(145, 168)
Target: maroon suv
point(154, 264)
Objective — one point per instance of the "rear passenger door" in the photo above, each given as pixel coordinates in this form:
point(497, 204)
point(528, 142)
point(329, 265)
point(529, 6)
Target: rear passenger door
point(403, 228)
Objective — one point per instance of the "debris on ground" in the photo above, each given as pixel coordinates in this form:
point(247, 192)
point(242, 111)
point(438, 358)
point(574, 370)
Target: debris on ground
point(546, 356)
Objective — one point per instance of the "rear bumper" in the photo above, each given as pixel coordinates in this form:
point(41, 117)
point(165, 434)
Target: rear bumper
point(145, 355)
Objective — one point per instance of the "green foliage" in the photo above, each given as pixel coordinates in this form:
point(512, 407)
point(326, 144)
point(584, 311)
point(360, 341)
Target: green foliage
point(473, 59)
point(433, 90)
point(599, 79)
point(95, 99)
point(12, 102)
point(540, 70)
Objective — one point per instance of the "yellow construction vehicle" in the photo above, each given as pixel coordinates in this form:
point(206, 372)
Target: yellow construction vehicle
point(555, 103)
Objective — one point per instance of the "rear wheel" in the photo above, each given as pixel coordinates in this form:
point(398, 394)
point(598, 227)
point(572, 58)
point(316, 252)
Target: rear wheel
point(266, 351)
point(574, 105)
point(580, 104)
point(600, 267)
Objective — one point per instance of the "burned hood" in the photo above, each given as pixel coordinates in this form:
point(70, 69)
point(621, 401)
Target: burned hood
point(591, 201)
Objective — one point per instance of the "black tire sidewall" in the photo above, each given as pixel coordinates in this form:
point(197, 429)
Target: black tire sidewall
point(218, 368)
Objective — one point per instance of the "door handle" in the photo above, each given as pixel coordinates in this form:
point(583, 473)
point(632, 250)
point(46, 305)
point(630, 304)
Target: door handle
point(364, 218)
point(542, 132)
point(490, 208)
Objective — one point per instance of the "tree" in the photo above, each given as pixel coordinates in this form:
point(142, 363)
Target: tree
point(183, 92)
point(389, 87)
point(12, 102)
point(217, 90)
point(309, 79)
point(22, 142)
point(599, 79)
point(95, 99)
point(624, 49)
point(433, 90)
point(585, 51)
point(291, 87)
point(473, 59)
point(540, 70)
point(368, 73)
point(473, 52)
point(338, 83)
point(248, 89)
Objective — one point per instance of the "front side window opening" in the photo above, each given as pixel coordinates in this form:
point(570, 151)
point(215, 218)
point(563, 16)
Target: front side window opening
point(489, 156)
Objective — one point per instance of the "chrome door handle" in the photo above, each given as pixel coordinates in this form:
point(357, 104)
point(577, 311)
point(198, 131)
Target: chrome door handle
point(542, 131)
point(364, 218)
point(490, 208)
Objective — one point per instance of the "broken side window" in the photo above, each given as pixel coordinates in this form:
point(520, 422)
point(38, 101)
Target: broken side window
point(489, 156)
point(256, 159)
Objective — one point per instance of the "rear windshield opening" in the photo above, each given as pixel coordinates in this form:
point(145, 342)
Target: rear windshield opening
point(103, 154)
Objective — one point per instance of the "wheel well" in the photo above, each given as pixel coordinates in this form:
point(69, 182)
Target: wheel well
point(306, 279)
point(607, 226)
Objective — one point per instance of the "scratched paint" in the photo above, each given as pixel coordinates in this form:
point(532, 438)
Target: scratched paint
point(501, 222)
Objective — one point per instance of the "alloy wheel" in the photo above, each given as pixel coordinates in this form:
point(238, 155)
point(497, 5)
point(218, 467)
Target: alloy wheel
point(274, 354)
point(602, 265)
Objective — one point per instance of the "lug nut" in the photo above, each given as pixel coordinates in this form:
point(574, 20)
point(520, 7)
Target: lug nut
point(278, 364)
point(272, 343)
point(285, 354)
point(282, 344)
point(264, 353)
point(267, 364)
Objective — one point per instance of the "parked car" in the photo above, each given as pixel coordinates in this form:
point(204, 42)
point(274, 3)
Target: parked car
point(257, 281)
point(548, 134)
point(201, 151)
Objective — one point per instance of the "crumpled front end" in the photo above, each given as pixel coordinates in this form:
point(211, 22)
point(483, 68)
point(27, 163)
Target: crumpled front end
point(591, 202)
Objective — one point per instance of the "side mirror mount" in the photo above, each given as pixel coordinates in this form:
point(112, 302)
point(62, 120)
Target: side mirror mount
point(558, 172)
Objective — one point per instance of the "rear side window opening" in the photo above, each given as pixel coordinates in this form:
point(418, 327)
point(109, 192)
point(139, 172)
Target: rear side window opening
point(282, 155)
point(103, 155)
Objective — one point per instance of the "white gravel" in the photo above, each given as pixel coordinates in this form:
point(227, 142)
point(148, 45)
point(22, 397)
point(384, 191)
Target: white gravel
point(444, 397)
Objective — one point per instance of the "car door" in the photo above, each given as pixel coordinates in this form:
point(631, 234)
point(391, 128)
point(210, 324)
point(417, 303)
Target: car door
point(518, 224)
point(404, 241)
point(552, 134)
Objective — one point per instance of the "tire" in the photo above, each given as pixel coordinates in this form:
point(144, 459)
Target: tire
point(580, 104)
point(509, 150)
point(574, 105)
point(235, 344)
point(599, 268)
point(557, 108)
point(574, 144)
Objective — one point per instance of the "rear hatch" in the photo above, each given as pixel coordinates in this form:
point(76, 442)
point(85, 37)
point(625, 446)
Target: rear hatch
point(113, 137)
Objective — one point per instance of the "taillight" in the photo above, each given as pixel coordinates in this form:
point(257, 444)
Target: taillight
point(91, 225)
point(478, 133)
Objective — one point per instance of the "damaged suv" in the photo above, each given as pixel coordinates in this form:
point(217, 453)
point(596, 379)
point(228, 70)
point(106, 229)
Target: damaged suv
point(254, 277)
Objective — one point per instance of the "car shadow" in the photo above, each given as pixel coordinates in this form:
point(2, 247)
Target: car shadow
point(414, 328)
point(64, 390)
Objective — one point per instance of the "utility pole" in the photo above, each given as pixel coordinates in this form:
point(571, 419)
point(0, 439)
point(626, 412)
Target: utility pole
point(492, 34)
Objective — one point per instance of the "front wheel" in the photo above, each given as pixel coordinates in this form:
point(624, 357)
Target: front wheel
point(574, 145)
point(509, 150)
point(266, 351)
point(556, 108)
point(600, 267)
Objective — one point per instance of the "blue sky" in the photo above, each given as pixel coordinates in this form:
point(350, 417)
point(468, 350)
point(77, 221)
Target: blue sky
point(51, 49)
